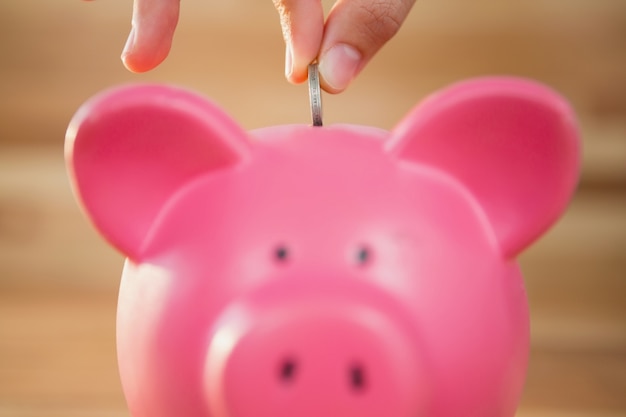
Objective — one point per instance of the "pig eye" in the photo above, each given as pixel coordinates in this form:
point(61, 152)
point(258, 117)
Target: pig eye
point(357, 377)
point(281, 254)
point(287, 370)
point(363, 255)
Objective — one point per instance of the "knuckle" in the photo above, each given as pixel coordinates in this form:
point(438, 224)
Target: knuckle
point(282, 6)
point(381, 20)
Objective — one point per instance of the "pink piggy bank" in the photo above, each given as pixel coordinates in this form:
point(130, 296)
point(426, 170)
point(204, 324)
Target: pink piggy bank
point(339, 271)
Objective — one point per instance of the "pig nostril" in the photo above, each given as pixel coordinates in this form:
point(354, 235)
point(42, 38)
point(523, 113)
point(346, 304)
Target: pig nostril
point(357, 377)
point(287, 371)
point(363, 255)
point(281, 254)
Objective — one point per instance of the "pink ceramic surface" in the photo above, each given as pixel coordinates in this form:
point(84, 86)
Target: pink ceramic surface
point(339, 271)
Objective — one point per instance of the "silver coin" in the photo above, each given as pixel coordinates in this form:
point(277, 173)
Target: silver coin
point(315, 95)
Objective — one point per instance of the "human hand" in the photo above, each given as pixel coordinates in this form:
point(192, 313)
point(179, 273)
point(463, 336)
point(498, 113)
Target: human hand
point(152, 30)
point(354, 31)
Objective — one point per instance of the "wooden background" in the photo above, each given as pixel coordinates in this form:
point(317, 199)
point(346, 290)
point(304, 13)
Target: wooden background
point(58, 280)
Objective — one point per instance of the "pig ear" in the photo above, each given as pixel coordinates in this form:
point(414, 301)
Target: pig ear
point(128, 150)
point(513, 143)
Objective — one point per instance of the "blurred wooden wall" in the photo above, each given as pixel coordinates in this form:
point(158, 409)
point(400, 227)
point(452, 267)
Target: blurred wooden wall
point(58, 279)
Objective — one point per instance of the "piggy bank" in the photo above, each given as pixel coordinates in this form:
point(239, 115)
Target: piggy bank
point(337, 271)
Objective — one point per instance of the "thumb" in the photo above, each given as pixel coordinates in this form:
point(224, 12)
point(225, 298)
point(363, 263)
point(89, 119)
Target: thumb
point(355, 30)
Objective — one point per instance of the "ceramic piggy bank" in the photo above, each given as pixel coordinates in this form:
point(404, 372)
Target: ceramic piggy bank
point(340, 271)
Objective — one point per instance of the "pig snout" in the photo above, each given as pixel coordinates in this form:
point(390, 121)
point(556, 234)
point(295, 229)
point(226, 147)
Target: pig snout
point(311, 356)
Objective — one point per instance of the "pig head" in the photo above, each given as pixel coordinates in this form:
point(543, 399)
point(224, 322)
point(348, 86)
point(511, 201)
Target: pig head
point(341, 271)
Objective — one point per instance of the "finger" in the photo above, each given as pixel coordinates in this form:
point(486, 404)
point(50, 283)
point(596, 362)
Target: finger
point(355, 31)
point(302, 22)
point(150, 38)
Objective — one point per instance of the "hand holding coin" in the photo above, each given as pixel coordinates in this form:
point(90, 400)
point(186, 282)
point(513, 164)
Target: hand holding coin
point(351, 35)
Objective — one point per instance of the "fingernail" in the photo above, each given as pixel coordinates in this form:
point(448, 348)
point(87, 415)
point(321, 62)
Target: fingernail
point(130, 44)
point(339, 65)
point(288, 60)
